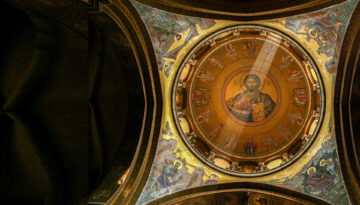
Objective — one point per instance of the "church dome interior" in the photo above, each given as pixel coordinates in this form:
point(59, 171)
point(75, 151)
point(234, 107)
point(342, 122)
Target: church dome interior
point(180, 102)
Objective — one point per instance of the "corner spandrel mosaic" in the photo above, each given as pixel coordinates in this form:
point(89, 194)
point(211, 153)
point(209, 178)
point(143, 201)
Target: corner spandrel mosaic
point(177, 168)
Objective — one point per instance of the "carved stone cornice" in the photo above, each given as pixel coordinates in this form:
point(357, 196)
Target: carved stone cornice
point(347, 134)
point(240, 10)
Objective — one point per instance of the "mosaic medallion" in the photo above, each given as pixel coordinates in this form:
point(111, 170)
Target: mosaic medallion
point(248, 100)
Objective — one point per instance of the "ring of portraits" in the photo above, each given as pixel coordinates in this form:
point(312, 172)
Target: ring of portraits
point(247, 98)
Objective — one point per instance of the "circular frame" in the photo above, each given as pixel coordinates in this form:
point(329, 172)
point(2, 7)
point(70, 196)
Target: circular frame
point(185, 136)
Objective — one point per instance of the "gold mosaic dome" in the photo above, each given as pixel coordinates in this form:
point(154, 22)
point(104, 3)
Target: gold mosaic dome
point(248, 100)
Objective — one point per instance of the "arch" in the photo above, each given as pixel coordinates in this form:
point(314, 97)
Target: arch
point(240, 10)
point(240, 188)
point(124, 16)
point(346, 108)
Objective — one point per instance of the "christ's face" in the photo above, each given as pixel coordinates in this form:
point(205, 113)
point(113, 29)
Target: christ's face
point(251, 84)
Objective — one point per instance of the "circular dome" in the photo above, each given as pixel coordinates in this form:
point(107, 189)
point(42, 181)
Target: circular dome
point(248, 100)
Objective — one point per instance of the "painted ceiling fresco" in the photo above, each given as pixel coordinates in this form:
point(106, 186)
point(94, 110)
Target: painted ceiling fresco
point(247, 99)
point(177, 168)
